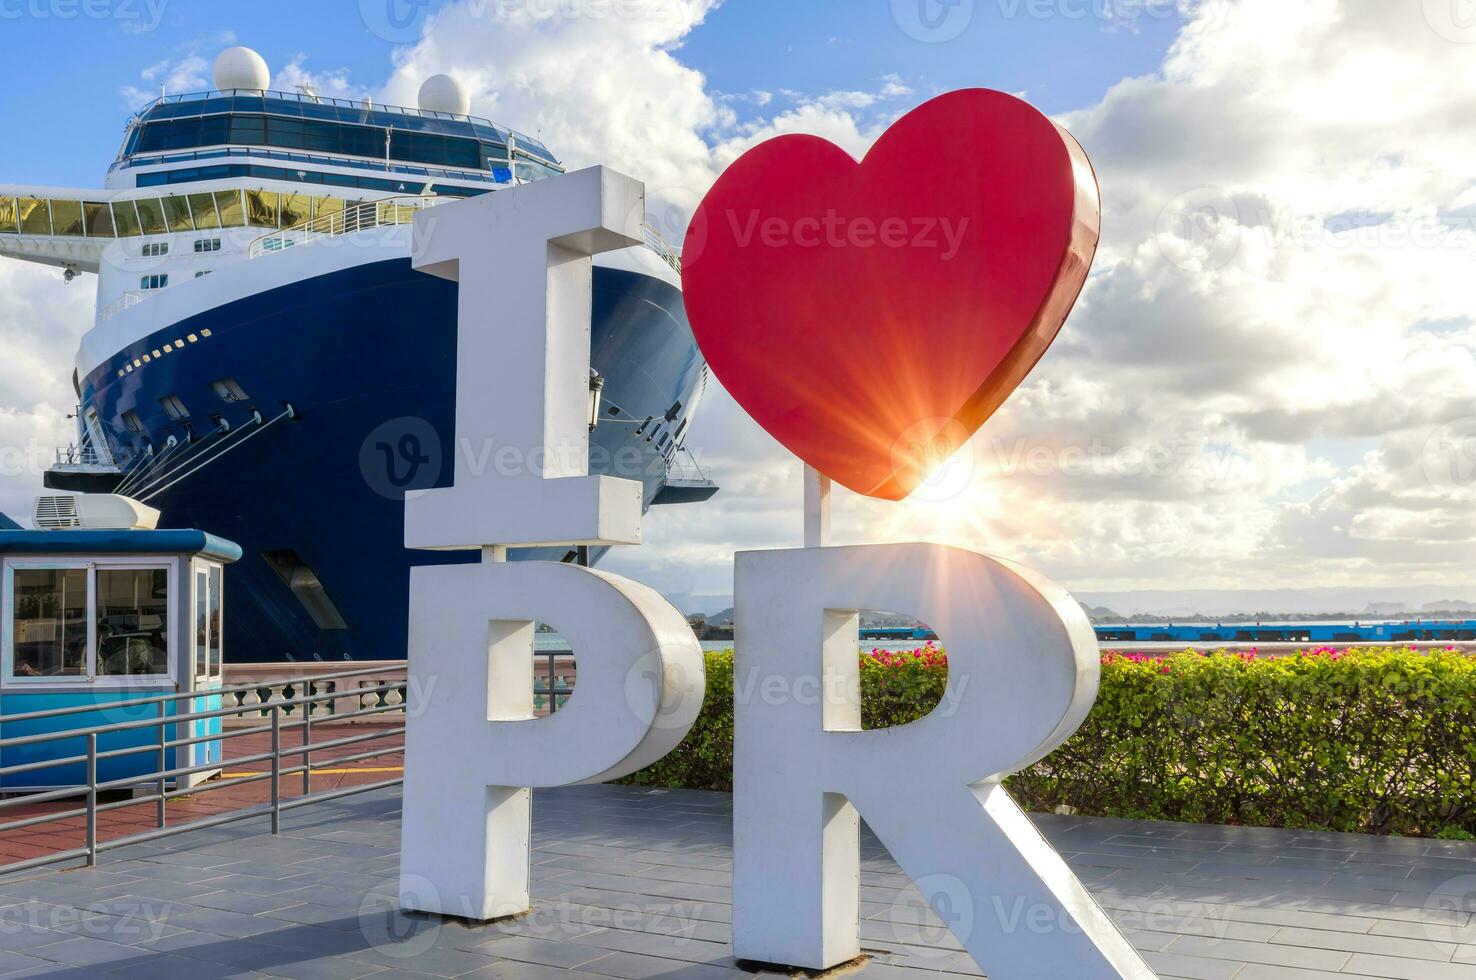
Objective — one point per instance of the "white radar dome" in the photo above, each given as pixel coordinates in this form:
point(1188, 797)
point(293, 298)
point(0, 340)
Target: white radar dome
point(241, 68)
point(442, 93)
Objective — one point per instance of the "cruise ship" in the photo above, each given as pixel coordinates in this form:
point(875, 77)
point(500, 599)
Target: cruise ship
point(266, 366)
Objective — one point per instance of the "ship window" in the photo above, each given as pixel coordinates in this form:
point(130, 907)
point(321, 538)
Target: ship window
point(205, 332)
point(154, 282)
point(173, 407)
point(132, 421)
point(9, 217)
point(532, 170)
point(66, 218)
point(156, 352)
point(177, 211)
point(99, 220)
point(207, 245)
point(203, 273)
point(296, 208)
point(307, 587)
point(325, 206)
point(228, 390)
point(202, 206)
point(125, 218)
point(150, 215)
point(228, 203)
point(261, 209)
point(35, 216)
point(152, 250)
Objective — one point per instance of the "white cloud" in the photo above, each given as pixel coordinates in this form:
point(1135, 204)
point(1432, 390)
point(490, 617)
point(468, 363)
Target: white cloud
point(333, 83)
point(41, 321)
point(186, 69)
point(1284, 275)
point(1285, 265)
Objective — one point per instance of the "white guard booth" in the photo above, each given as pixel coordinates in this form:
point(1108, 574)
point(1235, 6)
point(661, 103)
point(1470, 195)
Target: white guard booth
point(100, 619)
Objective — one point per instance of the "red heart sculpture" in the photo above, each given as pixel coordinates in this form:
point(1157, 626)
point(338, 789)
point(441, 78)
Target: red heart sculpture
point(872, 316)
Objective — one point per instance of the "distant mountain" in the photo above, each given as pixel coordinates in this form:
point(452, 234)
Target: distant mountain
point(1449, 606)
point(1203, 605)
point(710, 606)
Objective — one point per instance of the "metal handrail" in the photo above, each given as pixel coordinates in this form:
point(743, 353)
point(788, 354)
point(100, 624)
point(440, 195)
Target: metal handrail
point(188, 695)
point(131, 298)
point(657, 243)
point(361, 217)
point(177, 719)
point(161, 774)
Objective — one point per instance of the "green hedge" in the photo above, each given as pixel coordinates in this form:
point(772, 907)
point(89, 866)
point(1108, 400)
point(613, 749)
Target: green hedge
point(1375, 741)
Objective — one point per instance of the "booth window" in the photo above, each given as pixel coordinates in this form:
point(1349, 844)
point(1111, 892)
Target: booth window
point(79, 622)
point(132, 621)
point(202, 626)
point(50, 637)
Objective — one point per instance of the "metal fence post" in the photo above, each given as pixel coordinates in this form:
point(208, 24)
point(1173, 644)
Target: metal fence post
point(159, 817)
point(276, 768)
point(307, 739)
point(92, 800)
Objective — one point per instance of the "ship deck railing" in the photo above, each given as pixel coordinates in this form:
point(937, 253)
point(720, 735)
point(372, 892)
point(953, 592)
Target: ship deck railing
point(367, 216)
point(83, 456)
point(131, 298)
point(390, 212)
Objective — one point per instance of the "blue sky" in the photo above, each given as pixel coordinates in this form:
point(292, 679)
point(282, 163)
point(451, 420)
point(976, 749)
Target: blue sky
point(72, 115)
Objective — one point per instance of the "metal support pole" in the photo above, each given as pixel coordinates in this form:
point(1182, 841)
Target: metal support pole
point(307, 739)
point(92, 800)
point(276, 769)
point(553, 695)
point(162, 760)
point(817, 509)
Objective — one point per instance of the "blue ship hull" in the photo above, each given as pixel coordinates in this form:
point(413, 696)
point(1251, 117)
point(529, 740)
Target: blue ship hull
point(366, 359)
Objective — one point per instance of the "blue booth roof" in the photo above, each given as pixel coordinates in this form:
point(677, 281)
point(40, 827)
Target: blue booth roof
point(171, 542)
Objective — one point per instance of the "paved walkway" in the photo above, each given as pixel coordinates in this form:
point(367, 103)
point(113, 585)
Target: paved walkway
point(634, 884)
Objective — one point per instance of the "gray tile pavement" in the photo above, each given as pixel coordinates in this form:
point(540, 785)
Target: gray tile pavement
point(633, 884)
